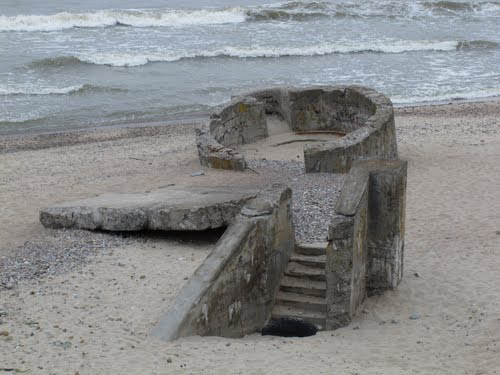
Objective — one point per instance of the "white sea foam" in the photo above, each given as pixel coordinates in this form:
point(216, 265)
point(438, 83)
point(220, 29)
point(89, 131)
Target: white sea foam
point(47, 90)
point(135, 18)
point(137, 59)
point(465, 95)
point(285, 11)
point(33, 90)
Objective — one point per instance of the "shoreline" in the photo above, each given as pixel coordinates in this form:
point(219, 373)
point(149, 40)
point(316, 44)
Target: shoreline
point(35, 140)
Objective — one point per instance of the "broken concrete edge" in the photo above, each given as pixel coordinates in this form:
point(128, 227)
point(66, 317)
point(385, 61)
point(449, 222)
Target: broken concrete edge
point(233, 291)
point(172, 208)
point(365, 115)
point(366, 237)
point(214, 155)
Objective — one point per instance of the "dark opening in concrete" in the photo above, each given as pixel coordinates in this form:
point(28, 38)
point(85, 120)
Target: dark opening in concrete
point(289, 327)
point(191, 237)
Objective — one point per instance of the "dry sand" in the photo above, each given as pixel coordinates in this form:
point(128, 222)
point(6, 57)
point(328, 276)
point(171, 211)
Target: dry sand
point(94, 318)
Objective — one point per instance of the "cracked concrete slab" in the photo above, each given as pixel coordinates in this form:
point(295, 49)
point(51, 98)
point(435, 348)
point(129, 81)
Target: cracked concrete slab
point(172, 208)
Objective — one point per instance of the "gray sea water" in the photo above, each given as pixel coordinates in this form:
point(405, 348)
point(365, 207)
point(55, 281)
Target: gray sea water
point(67, 64)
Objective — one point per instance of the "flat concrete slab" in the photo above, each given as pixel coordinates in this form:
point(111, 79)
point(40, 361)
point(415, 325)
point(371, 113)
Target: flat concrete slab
point(172, 208)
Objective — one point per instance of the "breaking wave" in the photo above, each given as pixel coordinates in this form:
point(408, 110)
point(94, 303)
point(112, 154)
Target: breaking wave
point(108, 18)
point(461, 6)
point(138, 59)
point(288, 11)
point(77, 89)
point(478, 44)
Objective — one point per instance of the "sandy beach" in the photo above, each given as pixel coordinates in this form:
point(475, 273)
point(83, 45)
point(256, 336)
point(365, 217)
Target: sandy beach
point(76, 302)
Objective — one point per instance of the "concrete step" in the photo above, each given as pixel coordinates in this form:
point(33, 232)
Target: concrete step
point(303, 286)
point(301, 301)
point(316, 318)
point(316, 261)
point(299, 270)
point(314, 248)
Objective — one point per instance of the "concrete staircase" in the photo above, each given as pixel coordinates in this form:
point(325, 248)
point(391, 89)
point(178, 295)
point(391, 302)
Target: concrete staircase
point(303, 286)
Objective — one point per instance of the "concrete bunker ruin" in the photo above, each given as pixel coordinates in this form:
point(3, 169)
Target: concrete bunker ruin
point(257, 273)
point(338, 124)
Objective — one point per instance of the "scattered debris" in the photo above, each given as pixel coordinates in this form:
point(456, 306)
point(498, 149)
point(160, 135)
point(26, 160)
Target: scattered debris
point(415, 316)
point(196, 174)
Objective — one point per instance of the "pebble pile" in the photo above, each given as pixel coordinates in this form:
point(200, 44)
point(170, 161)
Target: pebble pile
point(314, 195)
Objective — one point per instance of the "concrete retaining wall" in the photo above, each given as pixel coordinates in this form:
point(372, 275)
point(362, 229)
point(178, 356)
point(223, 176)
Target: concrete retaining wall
point(232, 293)
point(366, 237)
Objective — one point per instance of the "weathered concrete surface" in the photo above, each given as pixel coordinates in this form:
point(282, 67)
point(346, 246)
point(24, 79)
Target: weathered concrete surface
point(339, 108)
point(366, 239)
point(214, 155)
point(239, 122)
point(386, 223)
point(232, 293)
point(346, 253)
point(173, 208)
point(365, 115)
point(375, 138)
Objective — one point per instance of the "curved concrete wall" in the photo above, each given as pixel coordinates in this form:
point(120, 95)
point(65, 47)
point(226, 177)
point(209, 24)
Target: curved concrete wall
point(239, 122)
point(364, 115)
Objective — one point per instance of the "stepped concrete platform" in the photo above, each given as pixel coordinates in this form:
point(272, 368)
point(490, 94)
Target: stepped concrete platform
point(171, 208)
point(308, 287)
point(302, 292)
point(315, 248)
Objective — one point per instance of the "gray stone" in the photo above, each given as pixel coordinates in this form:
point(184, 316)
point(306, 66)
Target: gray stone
point(257, 207)
point(172, 208)
point(415, 316)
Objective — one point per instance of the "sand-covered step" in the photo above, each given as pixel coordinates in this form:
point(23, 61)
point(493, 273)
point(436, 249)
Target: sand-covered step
point(299, 270)
point(316, 318)
point(301, 301)
point(314, 248)
point(303, 286)
point(317, 261)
